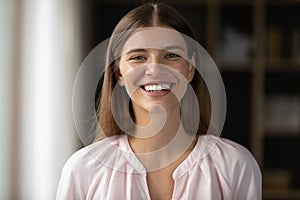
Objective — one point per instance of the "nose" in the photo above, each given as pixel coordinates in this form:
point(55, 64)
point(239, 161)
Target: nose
point(154, 67)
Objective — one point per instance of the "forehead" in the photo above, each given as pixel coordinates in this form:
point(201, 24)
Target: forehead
point(156, 38)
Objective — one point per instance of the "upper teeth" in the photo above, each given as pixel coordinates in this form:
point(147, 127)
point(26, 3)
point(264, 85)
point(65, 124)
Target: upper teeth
point(157, 87)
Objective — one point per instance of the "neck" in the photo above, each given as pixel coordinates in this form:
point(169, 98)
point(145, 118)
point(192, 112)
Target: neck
point(171, 141)
point(155, 130)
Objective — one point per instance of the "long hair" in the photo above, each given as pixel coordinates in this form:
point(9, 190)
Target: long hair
point(148, 15)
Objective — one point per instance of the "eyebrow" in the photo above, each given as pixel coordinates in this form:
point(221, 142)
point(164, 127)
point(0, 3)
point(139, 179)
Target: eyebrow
point(164, 48)
point(135, 50)
point(174, 47)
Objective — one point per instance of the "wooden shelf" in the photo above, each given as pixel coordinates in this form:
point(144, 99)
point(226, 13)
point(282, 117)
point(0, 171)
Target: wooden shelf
point(282, 132)
point(282, 2)
point(235, 66)
point(237, 2)
point(286, 65)
point(281, 194)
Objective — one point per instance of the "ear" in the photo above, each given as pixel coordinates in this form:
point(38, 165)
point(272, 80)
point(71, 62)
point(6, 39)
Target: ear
point(191, 73)
point(119, 77)
point(121, 81)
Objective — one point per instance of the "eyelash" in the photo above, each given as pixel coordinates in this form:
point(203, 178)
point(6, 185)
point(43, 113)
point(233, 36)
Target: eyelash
point(138, 58)
point(168, 56)
point(172, 55)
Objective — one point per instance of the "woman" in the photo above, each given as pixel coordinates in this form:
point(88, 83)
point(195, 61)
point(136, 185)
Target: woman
point(155, 112)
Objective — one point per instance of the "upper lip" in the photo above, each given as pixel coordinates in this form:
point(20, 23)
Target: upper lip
point(157, 83)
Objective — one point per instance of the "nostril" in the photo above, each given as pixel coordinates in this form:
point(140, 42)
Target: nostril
point(153, 69)
point(149, 71)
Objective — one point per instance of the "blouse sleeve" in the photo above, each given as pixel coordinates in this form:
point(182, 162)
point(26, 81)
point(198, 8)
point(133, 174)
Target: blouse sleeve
point(73, 183)
point(247, 177)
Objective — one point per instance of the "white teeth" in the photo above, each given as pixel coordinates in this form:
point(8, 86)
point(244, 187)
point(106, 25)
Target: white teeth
point(157, 87)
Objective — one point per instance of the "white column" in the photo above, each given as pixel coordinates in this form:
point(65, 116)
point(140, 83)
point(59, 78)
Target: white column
point(50, 55)
point(6, 51)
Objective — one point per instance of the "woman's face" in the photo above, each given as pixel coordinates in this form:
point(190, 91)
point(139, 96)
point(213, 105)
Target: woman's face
point(155, 68)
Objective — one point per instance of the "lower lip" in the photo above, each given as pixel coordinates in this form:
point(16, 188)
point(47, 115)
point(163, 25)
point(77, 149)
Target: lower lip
point(157, 94)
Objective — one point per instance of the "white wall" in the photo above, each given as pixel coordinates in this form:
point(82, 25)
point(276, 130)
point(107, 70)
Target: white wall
point(6, 42)
point(49, 60)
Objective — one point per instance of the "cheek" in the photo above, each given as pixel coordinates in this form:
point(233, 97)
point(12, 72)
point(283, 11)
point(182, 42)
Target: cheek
point(128, 72)
point(183, 70)
point(124, 67)
point(131, 77)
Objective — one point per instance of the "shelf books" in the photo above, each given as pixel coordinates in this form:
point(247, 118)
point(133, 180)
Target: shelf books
point(295, 45)
point(274, 45)
point(282, 114)
point(235, 46)
point(283, 46)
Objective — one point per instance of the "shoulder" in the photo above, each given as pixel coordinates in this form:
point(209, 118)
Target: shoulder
point(87, 158)
point(223, 151)
point(109, 154)
point(236, 164)
point(229, 158)
point(81, 169)
point(232, 152)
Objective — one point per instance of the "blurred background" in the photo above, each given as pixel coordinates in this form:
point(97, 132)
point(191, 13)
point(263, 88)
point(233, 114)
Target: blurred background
point(255, 44)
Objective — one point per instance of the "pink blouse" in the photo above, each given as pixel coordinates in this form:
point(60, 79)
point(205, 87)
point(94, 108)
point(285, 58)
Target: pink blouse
point(215, 169)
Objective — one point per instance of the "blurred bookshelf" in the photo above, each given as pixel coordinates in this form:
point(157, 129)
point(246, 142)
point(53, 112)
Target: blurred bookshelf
point(256, 45)
point(259, 41)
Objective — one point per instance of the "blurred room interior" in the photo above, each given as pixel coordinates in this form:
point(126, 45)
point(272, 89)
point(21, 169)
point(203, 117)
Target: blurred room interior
point(255, 44)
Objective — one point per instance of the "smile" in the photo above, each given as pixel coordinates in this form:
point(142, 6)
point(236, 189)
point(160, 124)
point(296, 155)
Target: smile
point(157, 87)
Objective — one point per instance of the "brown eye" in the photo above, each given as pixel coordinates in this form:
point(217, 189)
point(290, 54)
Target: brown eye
point(138, 58)
point(172, 56)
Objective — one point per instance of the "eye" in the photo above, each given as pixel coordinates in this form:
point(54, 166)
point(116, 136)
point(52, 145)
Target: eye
point(138, 58)
point(172, 56)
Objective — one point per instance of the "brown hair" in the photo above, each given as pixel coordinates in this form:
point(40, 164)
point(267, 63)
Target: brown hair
point(148, 15)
